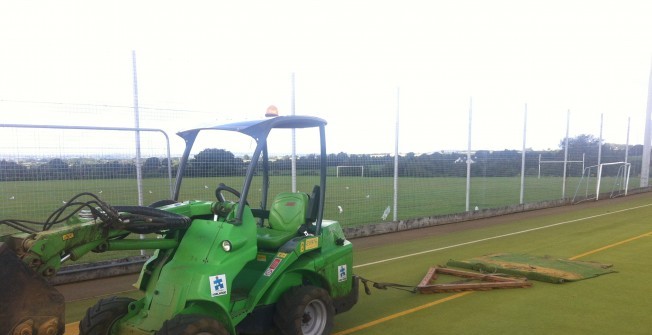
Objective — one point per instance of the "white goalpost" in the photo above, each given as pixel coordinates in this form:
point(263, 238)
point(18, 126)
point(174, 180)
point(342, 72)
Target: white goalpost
point(355, 167)
point(619, 187)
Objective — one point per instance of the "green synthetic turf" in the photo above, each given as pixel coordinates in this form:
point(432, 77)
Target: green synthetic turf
point(617, 303)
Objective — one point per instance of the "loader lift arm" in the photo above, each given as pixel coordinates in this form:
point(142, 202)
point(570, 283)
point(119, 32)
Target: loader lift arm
point(28, 303)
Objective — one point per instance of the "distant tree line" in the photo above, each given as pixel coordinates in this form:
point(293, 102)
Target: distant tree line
point(219, 162)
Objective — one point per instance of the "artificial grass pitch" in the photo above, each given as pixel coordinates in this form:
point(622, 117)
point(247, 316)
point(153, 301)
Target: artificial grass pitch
point(541, 268)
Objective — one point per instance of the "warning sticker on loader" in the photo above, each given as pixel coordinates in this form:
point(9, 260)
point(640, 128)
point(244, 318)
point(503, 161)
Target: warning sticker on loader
point(312, 243)
point(272, 266)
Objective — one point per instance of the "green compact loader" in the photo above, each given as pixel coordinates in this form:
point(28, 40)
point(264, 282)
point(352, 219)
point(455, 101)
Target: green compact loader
point(218, 267)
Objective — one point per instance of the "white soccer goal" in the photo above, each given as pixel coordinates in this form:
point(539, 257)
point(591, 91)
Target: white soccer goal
point(358, 170)
point(619, 184)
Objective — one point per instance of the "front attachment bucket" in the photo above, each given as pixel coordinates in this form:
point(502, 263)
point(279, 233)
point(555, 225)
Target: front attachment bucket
point(28, 303)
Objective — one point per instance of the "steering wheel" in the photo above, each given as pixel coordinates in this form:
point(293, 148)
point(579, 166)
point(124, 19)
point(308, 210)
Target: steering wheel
point(221, 187)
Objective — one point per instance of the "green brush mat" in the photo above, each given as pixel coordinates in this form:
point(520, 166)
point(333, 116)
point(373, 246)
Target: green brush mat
point(541, 268)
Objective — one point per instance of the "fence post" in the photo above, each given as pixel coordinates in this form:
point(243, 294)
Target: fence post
point(523, 156)
point(395, 216)
point(563, 182)
point(139, 172)
point(645, 161)
point(468, 158)
point(294, 141)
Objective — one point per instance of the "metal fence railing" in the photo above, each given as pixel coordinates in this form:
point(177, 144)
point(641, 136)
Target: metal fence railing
point(45, 165)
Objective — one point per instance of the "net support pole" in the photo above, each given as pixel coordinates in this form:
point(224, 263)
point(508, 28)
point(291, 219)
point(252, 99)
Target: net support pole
point(294, 140)
point(468, 158)
point(645, 161)
point(600, 140)
point(627, 167)
point(523, 156)
point(139, 173)
point(563, 183)
point(398, 96)
point(629, 121)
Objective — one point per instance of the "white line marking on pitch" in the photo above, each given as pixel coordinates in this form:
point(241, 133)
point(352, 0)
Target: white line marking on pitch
point(497, 237)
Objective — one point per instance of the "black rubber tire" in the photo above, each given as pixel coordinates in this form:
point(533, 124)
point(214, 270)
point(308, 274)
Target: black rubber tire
point(100, 317)
point(305, 310)
point(191, 324)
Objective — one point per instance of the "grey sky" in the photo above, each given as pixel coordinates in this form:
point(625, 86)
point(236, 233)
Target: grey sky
point(234, 58)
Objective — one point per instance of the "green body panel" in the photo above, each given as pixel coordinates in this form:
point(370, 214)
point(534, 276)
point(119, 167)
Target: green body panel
point(187, 277)
point(180, 281)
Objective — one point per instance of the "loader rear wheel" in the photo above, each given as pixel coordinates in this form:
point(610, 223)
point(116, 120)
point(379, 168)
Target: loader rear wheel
point(305, 310)
point(100, 318)
point(190, 324)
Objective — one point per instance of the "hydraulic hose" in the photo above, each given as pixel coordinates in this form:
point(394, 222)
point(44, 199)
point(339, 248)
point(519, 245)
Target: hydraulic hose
point(145, 220)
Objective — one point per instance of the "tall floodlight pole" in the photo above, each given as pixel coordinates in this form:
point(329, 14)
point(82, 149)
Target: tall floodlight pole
point(563, 183)
point(139, 174)
point(645, 164)
point(468, 158)
point(294, 140)
point(523, 156)
point(398, 95)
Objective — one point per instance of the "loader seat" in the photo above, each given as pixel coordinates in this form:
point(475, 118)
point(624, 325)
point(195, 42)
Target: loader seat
point(286, 215)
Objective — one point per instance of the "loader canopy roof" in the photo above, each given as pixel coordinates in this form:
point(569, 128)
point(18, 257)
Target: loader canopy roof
point(259, 128)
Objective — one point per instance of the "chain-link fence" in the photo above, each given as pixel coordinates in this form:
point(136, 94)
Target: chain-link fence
point(43, 166)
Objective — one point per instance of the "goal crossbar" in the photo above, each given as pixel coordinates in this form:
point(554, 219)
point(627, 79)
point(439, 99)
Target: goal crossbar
point(361, 167)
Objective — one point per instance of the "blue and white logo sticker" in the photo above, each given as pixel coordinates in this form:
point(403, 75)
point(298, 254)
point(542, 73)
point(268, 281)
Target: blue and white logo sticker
point(218, 285)
point(341, 273)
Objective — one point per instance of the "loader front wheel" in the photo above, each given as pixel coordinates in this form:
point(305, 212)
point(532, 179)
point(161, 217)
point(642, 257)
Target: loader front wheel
point(190, 324)
point(305, 310)
point(100, 318)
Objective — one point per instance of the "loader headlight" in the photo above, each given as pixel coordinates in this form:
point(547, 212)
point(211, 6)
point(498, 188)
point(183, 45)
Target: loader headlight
point(226, 245)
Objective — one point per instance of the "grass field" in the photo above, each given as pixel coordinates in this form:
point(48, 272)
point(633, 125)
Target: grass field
point(362, 200)
point(616, 231)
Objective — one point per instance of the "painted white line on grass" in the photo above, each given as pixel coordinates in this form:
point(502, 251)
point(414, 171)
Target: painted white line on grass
point(498, 236)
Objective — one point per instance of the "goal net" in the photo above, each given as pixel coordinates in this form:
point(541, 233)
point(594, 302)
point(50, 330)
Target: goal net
point(606, 179)
point(350, 171)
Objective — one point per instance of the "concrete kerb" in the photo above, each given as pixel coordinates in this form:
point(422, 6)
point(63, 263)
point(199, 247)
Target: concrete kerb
point(430, 221)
